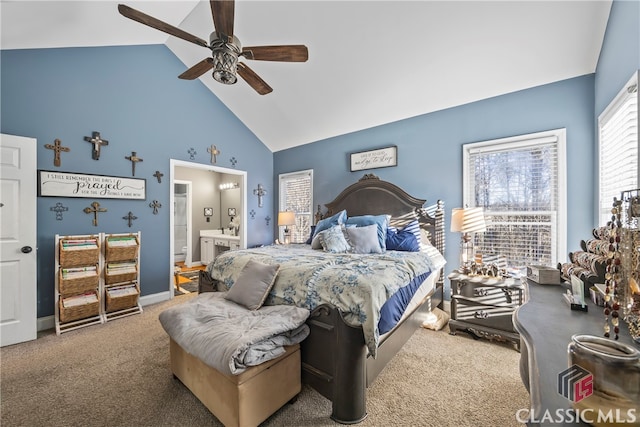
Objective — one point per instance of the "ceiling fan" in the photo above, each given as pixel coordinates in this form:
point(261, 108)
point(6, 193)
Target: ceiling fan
point(225, 47)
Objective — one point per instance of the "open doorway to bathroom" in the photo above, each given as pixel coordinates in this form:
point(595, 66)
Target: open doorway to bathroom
point(201, 204)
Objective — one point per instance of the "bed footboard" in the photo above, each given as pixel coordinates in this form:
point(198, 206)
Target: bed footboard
point(335, 359)
point(333, 363)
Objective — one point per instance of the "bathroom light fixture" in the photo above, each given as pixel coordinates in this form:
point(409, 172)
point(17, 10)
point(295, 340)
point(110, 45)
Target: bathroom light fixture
point(228, 185)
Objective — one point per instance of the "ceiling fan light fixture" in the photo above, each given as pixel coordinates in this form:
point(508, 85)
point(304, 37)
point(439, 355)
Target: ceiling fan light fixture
point(224, 67)
point(225, 58)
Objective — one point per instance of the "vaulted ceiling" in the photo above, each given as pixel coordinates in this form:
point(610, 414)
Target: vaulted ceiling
point(370, 62)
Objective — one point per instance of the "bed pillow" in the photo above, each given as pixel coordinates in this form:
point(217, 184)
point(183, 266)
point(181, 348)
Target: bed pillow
point(381, 221)
point(363, 240)
point(333, 240)
point(253, 284)
point(402, 241)
point(414, 228)
point(327, 223)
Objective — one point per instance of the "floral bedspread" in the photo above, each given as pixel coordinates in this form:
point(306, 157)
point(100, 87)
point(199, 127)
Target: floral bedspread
point(358, 285)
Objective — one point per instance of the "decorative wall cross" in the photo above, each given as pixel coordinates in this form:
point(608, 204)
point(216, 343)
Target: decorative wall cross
point(96, 209)
point(57, 148)
point(58, 209)
point(213, 150)
point(159, 176)
point(129, 218)
point(97, 142)
point(134, 159)
point(260, 191)
point(155, 205)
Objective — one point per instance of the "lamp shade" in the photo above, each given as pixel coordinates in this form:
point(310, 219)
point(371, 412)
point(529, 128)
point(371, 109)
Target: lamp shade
point(286, 218)
point(467, 220)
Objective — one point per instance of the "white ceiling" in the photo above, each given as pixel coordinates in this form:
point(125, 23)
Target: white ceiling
point(370, 62)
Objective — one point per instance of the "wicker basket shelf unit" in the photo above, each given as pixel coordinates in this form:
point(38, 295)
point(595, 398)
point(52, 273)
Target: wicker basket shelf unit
point(85, 293)
point(121, 277)
point(77, 290)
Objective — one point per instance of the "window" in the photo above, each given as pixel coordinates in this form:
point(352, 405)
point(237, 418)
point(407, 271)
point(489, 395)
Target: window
point(520, 183)
point(618, 148)
point(296, 194)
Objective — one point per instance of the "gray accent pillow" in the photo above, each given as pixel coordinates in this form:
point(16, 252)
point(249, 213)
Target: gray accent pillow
point(253, 284)
point(364, 240)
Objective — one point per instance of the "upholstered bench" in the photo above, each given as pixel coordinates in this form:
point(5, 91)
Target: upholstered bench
point(246, 399)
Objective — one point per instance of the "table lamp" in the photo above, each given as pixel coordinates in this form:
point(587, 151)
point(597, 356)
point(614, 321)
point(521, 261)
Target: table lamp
point(465, 221)
point(286, 219)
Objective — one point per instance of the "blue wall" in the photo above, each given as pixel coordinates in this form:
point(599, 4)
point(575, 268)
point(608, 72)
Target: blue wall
point(430, 150)
point(132, 96)
point(620, 55)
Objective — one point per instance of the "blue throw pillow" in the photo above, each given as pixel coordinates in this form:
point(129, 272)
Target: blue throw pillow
point(412, 227)
point(382, 221)
point(327, 223)
point(402, 241)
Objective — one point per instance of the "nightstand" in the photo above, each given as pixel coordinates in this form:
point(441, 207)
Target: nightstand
point(483, 306)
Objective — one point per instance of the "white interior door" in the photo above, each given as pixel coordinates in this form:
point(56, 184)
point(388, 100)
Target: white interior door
point(18, 295)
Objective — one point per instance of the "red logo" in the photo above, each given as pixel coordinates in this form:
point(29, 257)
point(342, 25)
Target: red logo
point(575, 383)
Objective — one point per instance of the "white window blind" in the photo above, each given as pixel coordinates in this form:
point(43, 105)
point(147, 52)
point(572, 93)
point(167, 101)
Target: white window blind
point(296, 194)
point(520, 185)
point(618, 149)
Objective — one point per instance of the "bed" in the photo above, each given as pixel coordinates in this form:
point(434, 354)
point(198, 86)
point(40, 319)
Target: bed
point(345, 350)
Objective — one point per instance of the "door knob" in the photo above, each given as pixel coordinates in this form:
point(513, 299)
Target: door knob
point(26, 249)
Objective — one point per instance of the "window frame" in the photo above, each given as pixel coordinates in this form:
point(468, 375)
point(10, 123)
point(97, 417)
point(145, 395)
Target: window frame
point(282, 178)
point(602, 207)
point(520, 141)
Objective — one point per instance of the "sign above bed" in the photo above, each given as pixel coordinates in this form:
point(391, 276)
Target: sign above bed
point(373, 159)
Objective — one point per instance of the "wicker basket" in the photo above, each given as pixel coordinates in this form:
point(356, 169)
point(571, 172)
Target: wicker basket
point(112, 279)
point(79, 257)
point(121, 253)
point(78, 285)
point(121, 302)
point(78, 312)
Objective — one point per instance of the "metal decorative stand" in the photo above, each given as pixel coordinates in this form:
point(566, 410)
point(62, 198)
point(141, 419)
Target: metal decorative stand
point(630, 259)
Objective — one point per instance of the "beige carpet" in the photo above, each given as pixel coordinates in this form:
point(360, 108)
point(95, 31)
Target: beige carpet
point(117, 374)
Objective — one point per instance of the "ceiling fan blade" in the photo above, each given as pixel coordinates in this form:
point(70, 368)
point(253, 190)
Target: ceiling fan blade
point(223, 11)
point(253, 79)
point(159, 25)
point(197, 70)
point(286, 53)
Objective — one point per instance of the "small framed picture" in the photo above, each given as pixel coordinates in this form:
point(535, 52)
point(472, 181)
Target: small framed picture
point(232, 212)
point(208, 211)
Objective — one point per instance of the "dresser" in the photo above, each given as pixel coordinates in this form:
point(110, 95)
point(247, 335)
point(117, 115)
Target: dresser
point(483, 306)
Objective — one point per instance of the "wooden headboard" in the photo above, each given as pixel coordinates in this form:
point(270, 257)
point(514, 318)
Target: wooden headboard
point(373, 196)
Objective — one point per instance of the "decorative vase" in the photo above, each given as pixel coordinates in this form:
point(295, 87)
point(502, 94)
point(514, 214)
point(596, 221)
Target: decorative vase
point(612, 396)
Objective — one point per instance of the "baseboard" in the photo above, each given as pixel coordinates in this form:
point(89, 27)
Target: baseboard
point(49, 322)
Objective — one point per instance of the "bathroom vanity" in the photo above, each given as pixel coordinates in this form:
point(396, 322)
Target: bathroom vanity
point(215, 242)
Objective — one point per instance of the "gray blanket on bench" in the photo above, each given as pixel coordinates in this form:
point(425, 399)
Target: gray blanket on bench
point(229, 337)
